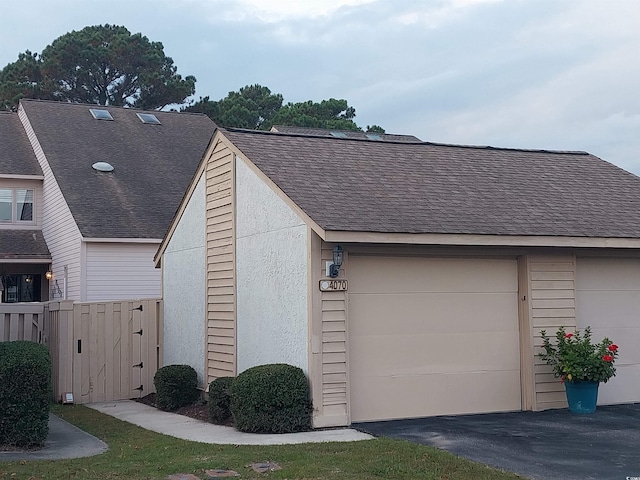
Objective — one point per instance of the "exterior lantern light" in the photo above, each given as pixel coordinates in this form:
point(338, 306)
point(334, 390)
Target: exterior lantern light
point(337, 261)
point(48, 275)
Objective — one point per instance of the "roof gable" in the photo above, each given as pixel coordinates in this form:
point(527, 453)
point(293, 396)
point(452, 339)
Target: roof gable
point(362, 186)
point(153, 164)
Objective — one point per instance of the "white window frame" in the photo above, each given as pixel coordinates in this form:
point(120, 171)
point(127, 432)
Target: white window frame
point(14, 205)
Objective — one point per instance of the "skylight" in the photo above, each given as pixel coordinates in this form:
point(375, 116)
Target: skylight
point(103, 167)
point(339, 134)
point(148, 118)
point(373, 136)
point(100, 114)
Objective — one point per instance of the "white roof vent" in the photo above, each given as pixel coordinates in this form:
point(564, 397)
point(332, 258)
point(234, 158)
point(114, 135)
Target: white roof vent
point(102, 167)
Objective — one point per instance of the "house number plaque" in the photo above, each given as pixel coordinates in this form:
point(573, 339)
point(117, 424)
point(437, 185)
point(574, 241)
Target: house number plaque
point(333, 285)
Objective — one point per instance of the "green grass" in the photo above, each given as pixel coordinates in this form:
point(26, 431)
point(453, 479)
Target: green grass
point(135, 453)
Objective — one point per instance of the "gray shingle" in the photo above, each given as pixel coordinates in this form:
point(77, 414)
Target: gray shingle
point(353, 185)
point(16, 154)
point(23, 244)
point(153, 164)
point(322, 132)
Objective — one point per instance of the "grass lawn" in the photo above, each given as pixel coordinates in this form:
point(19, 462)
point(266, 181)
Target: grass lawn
point(135, 453)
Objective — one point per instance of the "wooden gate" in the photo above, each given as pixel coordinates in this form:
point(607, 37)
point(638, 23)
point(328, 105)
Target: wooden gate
point(104, 351)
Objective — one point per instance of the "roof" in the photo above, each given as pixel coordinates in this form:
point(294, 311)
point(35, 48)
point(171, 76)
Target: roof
point(153, 164)
point(16, 154)
point(363, 186)
point(322, 132)
point(22, 244)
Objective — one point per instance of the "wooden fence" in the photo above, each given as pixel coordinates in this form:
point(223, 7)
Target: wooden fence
point(100, 351)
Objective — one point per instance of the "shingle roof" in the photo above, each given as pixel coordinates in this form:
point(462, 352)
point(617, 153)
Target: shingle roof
point(153, 164)
point(321, 132)
point(16, 154)
point(23, 244)
point(352, 185)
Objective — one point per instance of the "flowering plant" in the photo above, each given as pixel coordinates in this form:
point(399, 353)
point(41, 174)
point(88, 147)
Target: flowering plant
point(575, 359)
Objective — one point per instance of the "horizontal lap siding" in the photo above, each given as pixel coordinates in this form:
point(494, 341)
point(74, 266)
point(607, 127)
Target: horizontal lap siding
point(221, 308)
point(552, 304)
point(334, 345)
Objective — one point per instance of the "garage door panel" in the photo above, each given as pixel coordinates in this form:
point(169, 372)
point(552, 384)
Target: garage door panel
point(610, 274)
point(434, 275)
point(623, 387)
point(596, 307)
point(437, 394)
point(432, 353)
point(433, 312)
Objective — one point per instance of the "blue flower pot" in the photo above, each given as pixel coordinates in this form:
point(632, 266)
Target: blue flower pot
point(582, 396)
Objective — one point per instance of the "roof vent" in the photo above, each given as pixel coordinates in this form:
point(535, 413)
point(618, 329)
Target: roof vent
point(100, 114)
point(148, 118)
point(102, 167)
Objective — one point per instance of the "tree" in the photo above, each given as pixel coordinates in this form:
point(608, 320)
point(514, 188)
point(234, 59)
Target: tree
point(104, 65)
point(330, 114)
point(251, 107)
point(374, 129)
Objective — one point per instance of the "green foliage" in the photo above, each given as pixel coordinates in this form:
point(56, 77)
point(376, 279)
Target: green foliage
point(272, 398)
point(330, 114)
point(102, 64)
point(176, 386)
point(220, 399)
point(575, 359)
point(25, 393)
point(374, 129)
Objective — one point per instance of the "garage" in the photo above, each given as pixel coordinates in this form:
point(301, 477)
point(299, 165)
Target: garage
point(432, 336)
point(608, 300)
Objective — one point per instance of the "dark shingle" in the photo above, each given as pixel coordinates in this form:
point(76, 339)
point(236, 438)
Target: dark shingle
point(16, 154)
point(153, 164)
point(351, 185)
point(23, 244)
point(321, 132)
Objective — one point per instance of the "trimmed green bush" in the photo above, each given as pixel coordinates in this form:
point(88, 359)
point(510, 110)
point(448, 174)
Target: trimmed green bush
point(176, 386)
point(272, 398)
point(220, 399)
point(25, 393)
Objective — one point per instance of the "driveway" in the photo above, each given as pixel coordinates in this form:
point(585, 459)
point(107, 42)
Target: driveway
point(549, 445)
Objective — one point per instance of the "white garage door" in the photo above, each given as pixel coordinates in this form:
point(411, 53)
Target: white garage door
point(608, 300)
point(432, 336)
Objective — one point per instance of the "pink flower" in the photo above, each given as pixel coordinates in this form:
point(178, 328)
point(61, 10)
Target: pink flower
point(613, 347)
point(607, 358)
point(568, 335)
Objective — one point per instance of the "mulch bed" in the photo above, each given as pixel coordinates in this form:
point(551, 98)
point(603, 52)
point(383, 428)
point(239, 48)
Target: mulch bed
point(199, 410)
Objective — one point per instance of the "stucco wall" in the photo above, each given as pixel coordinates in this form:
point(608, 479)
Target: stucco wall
point(183, 277)
point(271, 273)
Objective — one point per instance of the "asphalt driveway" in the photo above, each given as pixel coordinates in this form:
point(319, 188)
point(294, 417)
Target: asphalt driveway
point(550, 445)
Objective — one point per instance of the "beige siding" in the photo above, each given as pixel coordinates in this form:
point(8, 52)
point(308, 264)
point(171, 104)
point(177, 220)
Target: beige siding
point(332, 409)
point(551, 304)
point(120, 271)
point(59, 229)
point(221, 302)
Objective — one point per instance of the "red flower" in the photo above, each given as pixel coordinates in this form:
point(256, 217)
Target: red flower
point(568, 335)
point(613, 347)
point(607, 358)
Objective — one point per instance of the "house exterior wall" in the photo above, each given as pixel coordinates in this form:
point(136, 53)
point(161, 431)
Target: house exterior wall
point(608, 299)
point(59, 229)
point(120, 271)
point(220, 263)
point(271, 269)
point(36, 185)
point(183, 279)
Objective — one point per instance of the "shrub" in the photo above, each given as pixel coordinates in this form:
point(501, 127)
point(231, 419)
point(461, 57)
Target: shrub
point(220, 399)
point(271, 398)
point(176, 386)
point(25, 393)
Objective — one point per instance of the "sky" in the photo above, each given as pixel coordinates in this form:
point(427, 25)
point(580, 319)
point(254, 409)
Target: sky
point(535, 74)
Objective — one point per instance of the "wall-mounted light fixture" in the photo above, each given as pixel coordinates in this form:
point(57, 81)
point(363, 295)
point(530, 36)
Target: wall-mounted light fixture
point(28, 279)
point(48, 275)
point(338, 254)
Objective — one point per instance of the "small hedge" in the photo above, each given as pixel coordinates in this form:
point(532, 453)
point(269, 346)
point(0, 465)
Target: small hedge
point(176, 386)
point(220, 399)
point(25, 393)
point(271, 398)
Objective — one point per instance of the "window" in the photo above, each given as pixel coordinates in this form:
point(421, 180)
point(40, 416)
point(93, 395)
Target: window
point(21, 288)
point(16, 205)
point(148, 118)
point(100, 114)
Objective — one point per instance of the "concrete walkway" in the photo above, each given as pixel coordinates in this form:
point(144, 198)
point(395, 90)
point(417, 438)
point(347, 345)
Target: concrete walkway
point(186, 428)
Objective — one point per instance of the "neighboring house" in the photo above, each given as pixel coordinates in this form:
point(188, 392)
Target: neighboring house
point(455, 258)
point(322, 132)
point(24, 256)
point(102, 228)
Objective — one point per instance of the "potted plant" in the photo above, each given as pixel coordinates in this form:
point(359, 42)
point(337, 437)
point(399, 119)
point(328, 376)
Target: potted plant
point(581, 365)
